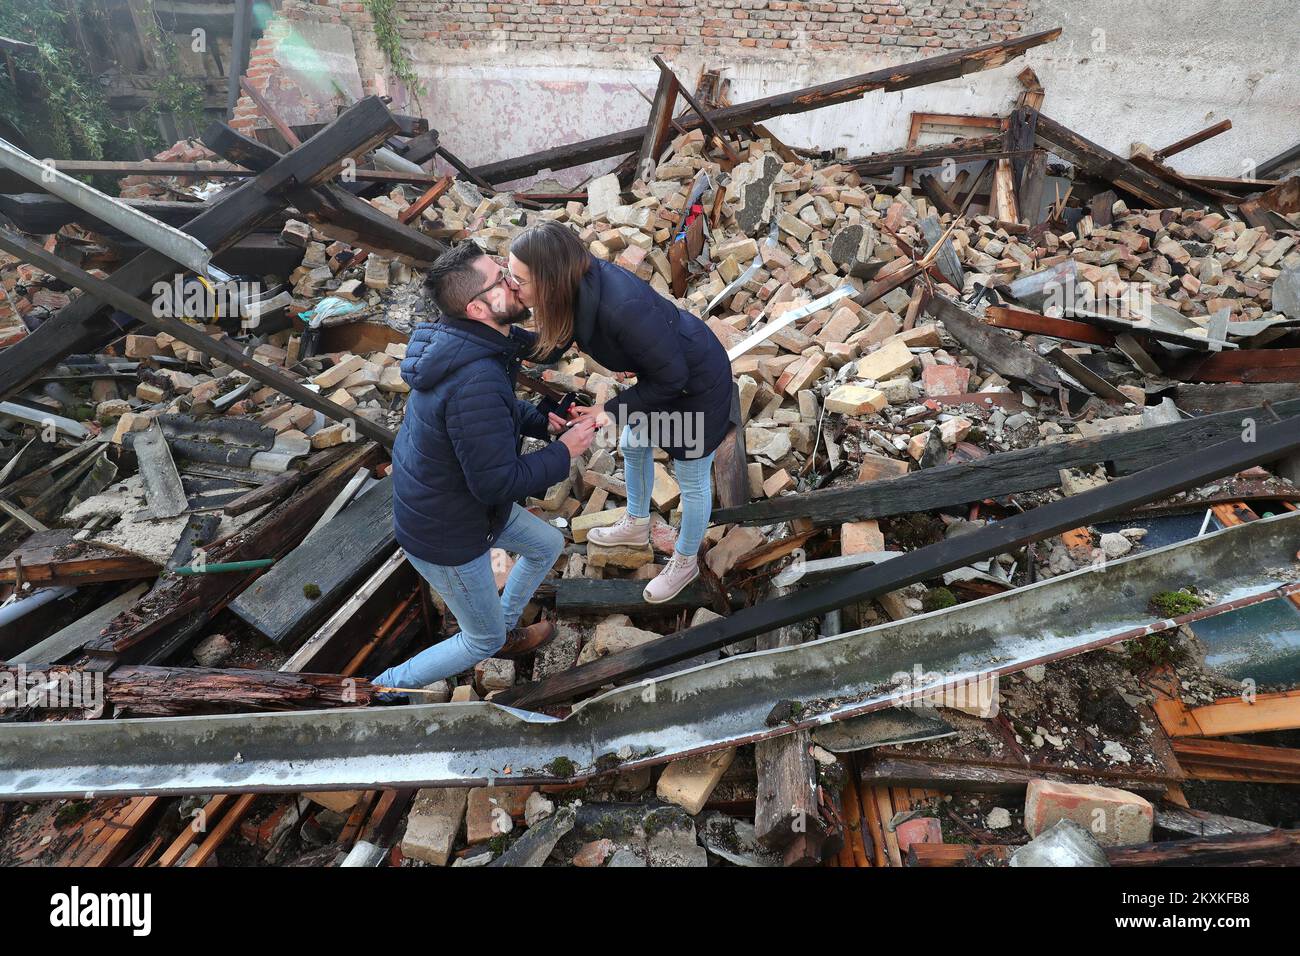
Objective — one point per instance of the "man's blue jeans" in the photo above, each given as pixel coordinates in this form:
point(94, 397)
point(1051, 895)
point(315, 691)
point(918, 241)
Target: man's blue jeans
point(470, 593)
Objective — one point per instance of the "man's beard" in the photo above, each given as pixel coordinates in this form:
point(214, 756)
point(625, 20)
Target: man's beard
point(513, 318)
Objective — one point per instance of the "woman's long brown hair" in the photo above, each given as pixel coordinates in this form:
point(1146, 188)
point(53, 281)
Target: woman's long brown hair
point(557, 261)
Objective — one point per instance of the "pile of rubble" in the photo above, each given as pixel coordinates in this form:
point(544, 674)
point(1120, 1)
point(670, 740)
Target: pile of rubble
point(1030, 351)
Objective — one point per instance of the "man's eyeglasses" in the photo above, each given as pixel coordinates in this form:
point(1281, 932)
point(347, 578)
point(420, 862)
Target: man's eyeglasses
point(503, 276)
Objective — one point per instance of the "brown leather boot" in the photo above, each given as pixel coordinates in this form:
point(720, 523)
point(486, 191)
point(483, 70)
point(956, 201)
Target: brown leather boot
point(525, 640)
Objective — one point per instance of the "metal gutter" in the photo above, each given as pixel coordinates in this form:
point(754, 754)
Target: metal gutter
point(652, 721)
point(175, 245)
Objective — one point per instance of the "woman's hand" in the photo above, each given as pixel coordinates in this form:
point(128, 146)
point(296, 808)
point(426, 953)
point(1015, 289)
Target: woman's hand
point(579, 437)
point(593, 413)
point(555, 424)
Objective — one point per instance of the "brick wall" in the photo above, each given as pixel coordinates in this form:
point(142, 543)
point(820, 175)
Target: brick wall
point(263, 70)
point(734, 26)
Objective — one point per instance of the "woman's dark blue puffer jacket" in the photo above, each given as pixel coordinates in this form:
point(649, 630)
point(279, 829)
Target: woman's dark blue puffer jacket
point(456, 465)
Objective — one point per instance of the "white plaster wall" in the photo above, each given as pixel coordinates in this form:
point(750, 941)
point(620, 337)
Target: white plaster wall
point(1158, 71)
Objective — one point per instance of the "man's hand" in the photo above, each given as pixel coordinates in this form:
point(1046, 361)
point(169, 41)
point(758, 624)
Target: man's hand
point(579, 437)
point(555, 424)
point(593, 413)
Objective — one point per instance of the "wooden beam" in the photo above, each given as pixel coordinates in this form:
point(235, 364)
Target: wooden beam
point(971, 147)
point(786, 804)
point(661, 119)
point(1008, 473)
point(220, 347)
point(1118, 497)
point(1005, 317)
point(1276, 848)
point(200, 597)
point(701, 114)
point(80, 326)
point(993, 347)
point(1188, 142)
point(907, 76)
point(1097, 161)
point(1231, 715)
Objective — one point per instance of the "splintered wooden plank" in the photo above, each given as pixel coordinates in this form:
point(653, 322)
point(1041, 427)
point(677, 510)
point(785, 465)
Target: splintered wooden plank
point(332, 560)
point(1233, 715)
point(162, 482)
point(1005, 317)
point(787, 773)
point(54, 557)
point(730, 475)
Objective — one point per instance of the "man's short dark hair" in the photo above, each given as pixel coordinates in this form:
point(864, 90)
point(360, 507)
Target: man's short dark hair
point(452, 280)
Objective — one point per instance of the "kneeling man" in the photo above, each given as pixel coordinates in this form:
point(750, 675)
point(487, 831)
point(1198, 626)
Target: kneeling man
point(458, 473)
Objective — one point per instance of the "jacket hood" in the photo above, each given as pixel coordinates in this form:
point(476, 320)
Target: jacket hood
point(437, 350)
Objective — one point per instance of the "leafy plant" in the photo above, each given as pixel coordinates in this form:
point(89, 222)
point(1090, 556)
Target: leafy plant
point(388, 34)
point(71, 118)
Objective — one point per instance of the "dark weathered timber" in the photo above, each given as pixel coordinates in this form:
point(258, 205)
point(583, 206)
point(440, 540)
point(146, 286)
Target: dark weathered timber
point(1278, 163)
point(201, 596)
point(41, 214)
point(333, 559)
point(81, 326)
point(934, 192)
point(969, 148)
point(1202, 823)
point(1187, 142)
point(891, 767)
point(1171, 476)
point(347, 216)
point(1009, 473)
point(1228, 396)
point(220, 347)
point(616, 595)
point(268, 493)
point(1276, 848)
point(785, 805)
point(1095, 160)
point(661, 120)
point(139, 691)
point(700, 112)
point(993, 347)
point(906, 76)
point(946, 260)
point(1085, 376)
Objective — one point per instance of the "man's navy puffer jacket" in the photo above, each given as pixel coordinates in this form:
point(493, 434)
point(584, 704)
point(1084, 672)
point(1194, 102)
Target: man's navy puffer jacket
point(456, 465)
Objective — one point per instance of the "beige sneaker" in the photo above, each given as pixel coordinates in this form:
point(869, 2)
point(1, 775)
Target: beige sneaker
point(626, 530)
point(668, 583)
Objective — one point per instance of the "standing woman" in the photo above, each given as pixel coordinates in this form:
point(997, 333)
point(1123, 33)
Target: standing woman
point(682, 399)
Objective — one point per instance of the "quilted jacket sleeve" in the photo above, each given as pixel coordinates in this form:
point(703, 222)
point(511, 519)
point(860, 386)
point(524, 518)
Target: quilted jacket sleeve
point(533, 421)
point(480, 425)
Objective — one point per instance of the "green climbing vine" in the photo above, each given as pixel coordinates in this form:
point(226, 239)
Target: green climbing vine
point(174, 94)
point(70, 118)
point(73, 119)
point(388, 34)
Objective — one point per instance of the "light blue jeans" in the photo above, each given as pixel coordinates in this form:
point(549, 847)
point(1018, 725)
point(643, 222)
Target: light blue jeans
point(470, 593)
point(694, 478)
